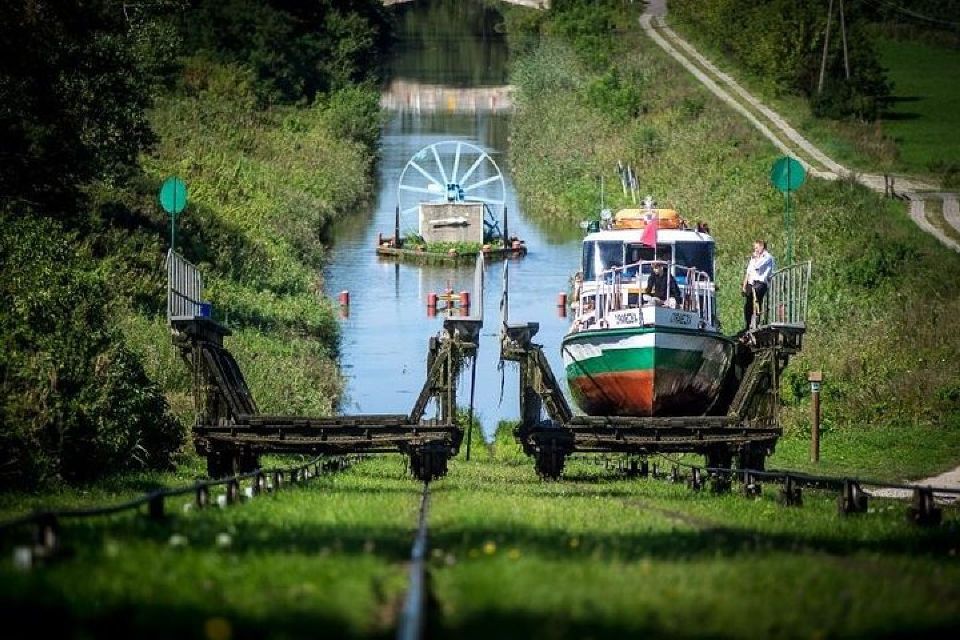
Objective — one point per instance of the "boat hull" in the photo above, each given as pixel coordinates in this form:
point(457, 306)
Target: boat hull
point(646, 371)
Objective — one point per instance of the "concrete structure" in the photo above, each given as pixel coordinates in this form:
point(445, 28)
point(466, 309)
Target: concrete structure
point(403, 95)
point(451, 221)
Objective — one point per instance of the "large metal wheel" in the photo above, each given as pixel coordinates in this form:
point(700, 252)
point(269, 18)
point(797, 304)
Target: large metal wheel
point(451, 171)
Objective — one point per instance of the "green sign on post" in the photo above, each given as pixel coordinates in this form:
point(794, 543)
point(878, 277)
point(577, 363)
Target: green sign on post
point(173, 199)
point(787, 175)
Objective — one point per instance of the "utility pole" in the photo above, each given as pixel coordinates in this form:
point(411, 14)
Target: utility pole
point(826, 45)
point(843, 33)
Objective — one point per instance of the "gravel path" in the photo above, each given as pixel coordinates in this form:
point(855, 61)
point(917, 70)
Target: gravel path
point(786, 138)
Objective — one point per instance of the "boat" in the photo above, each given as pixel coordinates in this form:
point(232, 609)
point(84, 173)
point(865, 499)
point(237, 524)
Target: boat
point(629, 352)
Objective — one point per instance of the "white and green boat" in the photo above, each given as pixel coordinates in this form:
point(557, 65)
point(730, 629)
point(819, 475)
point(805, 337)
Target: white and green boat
point(630, 353)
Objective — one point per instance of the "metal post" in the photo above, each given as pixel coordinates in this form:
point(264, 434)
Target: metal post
point(815, 378)
point(788, 221)
point(396, 227)
point(506, 236)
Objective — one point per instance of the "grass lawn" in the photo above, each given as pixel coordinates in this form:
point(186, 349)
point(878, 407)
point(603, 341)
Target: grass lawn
point(925, 118)
point(594, 555)
point(324, 558)
point(597, 555)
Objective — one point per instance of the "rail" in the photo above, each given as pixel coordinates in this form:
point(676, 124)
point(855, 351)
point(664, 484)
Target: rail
point(46, 521)
point(787, 297)
point(413, 615)
point(852, 499)
point(184, 288)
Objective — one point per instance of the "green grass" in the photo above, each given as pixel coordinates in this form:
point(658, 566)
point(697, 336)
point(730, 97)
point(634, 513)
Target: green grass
point(600, 556)
point(325, 557)
point(925, 117)
point(595, 555)
point(891, 453)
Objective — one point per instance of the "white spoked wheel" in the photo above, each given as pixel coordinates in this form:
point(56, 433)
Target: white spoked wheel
point(450, 171)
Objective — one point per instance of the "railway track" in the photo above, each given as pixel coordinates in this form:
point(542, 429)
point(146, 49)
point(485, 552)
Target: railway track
point(413, 616)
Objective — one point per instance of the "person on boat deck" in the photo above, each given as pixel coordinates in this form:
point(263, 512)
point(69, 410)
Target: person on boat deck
point(661, 284)
point(755, 282)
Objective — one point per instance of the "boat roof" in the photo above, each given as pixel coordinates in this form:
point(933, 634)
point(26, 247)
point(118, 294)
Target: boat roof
point(664, 236)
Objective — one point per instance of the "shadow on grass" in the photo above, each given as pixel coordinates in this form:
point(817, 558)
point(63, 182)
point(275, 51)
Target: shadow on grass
point(500, 625)
point(690, 538)
point(52, 616)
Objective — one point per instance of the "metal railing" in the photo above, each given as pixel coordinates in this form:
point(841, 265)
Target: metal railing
point(184, 288)
point(696, 293)
point(787, 296)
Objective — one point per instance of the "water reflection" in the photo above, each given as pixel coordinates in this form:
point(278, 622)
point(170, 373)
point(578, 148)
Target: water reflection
point(454, 44)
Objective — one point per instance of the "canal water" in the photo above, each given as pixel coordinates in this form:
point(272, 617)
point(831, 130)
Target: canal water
point(444, 47)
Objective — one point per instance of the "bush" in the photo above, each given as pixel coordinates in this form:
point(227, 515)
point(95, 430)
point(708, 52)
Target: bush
point(76, 403)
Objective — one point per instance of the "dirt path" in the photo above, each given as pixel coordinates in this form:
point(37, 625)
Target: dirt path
point(949, 479)
point(785, 137)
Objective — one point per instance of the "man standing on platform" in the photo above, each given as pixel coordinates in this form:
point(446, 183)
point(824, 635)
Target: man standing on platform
point(755, 283)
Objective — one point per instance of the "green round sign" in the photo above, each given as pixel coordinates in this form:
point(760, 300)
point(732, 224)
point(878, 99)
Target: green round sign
point(173, 195)
point(787, 174)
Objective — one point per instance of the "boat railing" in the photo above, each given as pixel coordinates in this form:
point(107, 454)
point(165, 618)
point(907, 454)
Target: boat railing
point(697, 292)
point(787, 296)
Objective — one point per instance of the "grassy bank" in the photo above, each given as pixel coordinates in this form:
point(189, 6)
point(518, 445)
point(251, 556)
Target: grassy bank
point(882, 290)
point(925, 115)
point(913, 134)
point(265, 187)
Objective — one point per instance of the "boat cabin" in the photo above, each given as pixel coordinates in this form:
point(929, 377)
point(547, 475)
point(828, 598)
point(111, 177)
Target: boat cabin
point(617, 265)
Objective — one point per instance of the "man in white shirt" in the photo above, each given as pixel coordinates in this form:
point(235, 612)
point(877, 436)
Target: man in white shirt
point(755, 282)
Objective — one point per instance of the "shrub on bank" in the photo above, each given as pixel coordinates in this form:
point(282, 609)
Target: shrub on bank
point(75, 403)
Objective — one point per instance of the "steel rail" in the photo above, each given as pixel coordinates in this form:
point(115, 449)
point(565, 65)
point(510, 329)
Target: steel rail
point(780, 475)
point(146, 498)
point(413, 615)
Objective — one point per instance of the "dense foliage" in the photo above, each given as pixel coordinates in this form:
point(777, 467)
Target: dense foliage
point(883, 290)
point(99, 102)
point(74, 401)
point(782, 41)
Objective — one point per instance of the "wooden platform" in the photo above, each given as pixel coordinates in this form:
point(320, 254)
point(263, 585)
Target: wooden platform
point(427, 257)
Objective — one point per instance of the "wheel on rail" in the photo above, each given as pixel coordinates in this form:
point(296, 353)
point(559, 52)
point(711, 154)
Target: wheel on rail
point(549, 460)
point(246, 461)
point(428, 463)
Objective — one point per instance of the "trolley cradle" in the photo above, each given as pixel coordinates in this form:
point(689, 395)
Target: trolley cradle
point(232, 434)
point(747, 432)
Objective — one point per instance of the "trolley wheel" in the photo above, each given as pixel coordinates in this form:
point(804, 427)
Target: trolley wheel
point(428, 463)
point(719, 458)
point(753, 457)
point(549, 460)
point(219, 464)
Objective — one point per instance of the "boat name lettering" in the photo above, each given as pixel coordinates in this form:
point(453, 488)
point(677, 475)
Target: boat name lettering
point(627, 317)
point(680, 318)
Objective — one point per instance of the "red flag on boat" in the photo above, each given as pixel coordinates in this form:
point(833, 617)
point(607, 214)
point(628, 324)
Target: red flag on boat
point(649, 236)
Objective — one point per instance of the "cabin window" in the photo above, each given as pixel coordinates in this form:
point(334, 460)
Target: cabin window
point(641, 252)
point(599, 256)
point(695, 254)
